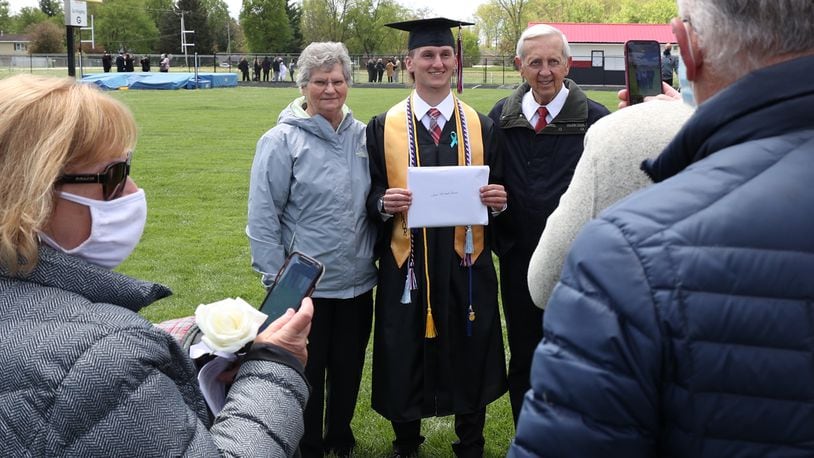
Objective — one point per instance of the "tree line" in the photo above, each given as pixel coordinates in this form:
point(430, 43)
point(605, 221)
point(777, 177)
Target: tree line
point(286, 26)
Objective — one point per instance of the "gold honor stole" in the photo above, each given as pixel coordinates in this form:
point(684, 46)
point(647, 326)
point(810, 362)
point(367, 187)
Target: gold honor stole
point(397, 159)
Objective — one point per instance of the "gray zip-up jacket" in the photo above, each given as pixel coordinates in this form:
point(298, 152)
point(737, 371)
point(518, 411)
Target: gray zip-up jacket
point(85, 375)
point(309, 184)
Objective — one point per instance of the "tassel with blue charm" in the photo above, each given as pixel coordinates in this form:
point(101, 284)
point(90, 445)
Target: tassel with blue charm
point(470, 321)
point(469, 249)
point(470, 318)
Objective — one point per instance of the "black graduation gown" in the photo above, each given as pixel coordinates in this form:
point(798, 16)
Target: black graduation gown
point(415, 377)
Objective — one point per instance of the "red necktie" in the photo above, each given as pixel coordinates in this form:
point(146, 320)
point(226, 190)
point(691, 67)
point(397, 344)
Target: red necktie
point(435, 129)
point(541, 122)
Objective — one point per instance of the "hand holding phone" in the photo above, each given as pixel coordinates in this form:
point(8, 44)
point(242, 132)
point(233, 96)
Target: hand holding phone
point(291, 334)
point(667, 94)
point(642, 69)
point(297, 279)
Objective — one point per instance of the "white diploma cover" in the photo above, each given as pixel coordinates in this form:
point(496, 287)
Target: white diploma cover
point(447, 196)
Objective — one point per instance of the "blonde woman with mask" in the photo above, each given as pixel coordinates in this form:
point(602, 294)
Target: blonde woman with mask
point(85, 375)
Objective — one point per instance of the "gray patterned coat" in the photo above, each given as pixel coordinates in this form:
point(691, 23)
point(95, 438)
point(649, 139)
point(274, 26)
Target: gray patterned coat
point(84, 375)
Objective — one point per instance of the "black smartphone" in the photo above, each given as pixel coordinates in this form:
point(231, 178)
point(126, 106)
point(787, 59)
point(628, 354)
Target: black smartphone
point(642, 69)
point(297, 279)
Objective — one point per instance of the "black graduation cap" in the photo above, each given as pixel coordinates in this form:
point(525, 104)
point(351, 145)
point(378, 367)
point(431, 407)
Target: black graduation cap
point(429, 32)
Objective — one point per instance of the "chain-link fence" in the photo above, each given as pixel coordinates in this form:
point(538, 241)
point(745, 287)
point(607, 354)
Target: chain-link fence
point(493, 70)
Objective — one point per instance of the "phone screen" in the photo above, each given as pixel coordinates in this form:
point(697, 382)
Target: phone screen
point(296, 279)
point(642, 69)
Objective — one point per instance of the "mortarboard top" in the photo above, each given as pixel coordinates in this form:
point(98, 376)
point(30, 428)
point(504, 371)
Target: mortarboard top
point(429, 32)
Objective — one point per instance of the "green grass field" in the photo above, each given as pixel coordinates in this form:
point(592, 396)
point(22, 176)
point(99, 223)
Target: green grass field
point(193, 160)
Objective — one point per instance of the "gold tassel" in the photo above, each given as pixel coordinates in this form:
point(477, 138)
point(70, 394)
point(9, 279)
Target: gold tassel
point(430, 332)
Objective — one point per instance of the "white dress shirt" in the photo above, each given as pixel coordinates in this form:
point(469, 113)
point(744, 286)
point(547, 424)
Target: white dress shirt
point(446, 107)
point(530, 106)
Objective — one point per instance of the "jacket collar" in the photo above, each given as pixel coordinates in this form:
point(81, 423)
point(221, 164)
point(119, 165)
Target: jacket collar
point(765, 103)
point(575, 110)
point(70, 273)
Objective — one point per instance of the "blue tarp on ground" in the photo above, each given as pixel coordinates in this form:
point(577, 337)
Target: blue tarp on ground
point(158, 80)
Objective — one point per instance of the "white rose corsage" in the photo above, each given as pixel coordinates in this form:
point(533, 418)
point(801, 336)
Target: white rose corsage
point(227, 326)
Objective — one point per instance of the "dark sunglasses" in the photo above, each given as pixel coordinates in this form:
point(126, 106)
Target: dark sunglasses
point(112, 178)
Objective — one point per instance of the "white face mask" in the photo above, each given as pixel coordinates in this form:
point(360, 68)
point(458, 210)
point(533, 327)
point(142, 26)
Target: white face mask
point(116, 228)
point(685, 85)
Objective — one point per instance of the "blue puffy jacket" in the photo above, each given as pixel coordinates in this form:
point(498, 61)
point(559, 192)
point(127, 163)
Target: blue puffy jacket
point(683, 324)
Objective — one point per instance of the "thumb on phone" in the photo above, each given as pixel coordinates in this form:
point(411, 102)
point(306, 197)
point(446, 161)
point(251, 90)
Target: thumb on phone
point(279, 322)
point(290, 331)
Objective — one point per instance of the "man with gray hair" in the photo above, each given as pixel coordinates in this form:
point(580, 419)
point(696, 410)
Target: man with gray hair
point(542, 125)
point(697, 290)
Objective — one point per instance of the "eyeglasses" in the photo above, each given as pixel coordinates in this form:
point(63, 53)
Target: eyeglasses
point(112, 178)
point(323, 84)
point(538, 64)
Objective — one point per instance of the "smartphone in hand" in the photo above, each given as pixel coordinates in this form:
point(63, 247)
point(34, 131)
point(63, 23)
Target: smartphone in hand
point(642, 69)
point(296, 280)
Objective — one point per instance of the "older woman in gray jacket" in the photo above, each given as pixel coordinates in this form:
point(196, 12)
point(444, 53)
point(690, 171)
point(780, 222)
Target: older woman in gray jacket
point(84, 374)
point(308, 188)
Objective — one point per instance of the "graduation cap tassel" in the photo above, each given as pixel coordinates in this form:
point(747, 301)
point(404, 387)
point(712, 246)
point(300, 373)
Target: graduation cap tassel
point(460, 61)
point(429, 331)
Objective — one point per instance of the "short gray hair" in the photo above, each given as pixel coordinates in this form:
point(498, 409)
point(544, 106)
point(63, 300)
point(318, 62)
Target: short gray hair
point(740, 36)
point(542, 30)
point(322, 55)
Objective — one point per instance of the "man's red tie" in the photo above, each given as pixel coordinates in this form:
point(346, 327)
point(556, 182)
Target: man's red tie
point(435, 129)
point(541, 122)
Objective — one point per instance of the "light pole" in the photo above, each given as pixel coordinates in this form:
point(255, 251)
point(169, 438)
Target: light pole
point(76, 15)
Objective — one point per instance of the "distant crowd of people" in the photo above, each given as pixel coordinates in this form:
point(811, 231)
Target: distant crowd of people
point(273, 69)
point(125, 62)
point(377, 68)
point(265, 69)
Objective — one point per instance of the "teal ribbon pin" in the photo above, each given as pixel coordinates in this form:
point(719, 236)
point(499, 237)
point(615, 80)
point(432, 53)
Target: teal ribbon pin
point(453, 139)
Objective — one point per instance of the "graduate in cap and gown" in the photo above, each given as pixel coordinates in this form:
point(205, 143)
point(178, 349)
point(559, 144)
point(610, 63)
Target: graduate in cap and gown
point(438, 346)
